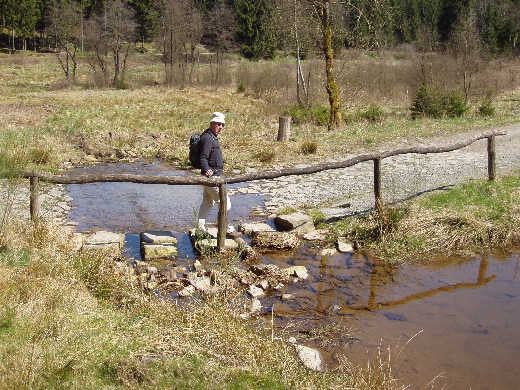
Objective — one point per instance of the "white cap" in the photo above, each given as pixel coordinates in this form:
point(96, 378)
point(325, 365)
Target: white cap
point(217, 117)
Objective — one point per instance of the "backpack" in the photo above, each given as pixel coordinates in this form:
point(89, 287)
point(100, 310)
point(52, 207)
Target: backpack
point(194, 151)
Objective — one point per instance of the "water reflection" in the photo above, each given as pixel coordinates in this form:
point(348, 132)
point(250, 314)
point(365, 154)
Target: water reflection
point(462, 316)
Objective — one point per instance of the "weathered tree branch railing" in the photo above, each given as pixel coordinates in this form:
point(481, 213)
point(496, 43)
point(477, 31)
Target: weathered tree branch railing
point(222, 182)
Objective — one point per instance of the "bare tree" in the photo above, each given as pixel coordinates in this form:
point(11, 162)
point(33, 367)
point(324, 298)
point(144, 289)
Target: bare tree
point(64, 19)
point(466, 46)
point(109, 39)
point(181, 30)
point(220, 32)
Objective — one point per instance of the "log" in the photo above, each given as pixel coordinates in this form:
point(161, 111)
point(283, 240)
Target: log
point(201, 180)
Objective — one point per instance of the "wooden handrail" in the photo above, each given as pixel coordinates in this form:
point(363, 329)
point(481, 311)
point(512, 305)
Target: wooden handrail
point(221, 182)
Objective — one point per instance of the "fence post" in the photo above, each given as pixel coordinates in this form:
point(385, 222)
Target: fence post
point(222, 216)
point(33, 198)
point(491, 157)
point(284, 128)
point(377, 184)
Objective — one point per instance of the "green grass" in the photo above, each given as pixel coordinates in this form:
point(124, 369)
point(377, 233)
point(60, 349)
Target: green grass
point(488, 200)
point(474, 216)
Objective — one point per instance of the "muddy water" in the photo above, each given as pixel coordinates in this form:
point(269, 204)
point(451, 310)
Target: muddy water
point(453, 324)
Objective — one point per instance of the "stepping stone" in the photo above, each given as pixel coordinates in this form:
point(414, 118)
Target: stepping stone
point(104, 241)
point(158, 245)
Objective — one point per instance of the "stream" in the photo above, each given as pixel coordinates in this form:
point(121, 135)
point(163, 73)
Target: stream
point(451, 324)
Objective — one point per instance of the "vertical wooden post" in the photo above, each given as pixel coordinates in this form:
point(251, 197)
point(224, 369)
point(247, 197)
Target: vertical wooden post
point(33, 198)
point(284, 128)
point(377, 184)
point(222, 216)
point(491, 157)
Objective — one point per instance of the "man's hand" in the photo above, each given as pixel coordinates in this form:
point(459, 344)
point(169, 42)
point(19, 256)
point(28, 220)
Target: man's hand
point(210, 172)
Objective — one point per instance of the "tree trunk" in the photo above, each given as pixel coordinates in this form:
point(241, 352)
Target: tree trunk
point(328, 51)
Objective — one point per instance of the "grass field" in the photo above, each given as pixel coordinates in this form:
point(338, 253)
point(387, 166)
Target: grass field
point(44, 122)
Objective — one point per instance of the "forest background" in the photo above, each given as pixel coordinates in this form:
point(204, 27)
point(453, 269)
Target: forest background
point(188, 32)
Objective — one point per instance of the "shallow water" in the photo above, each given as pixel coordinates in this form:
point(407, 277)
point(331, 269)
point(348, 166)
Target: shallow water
point(454, 322)
point(134, 207)
point(457, 322)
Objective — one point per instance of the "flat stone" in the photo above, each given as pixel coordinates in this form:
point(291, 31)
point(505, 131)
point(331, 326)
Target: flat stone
point(344, 246)
point(112, 248)
point(201, 283)
point(310, 357)
point(211, 243)
point(315, 235)
point(255, 291)
point(298, 271)
point(291, 221)
point(253, 228)
point(276, 240)
point(158, 237)
point(187, 291)
point(256, 305)
point(304, 228)
point(328, 252)
point(104, 237)
point(159, 251)
point(332, 214)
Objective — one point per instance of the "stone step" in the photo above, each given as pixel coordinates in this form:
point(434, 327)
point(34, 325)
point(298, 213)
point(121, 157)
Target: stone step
point(158, 245)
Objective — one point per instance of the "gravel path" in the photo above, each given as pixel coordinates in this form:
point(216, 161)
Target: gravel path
point(402, 176)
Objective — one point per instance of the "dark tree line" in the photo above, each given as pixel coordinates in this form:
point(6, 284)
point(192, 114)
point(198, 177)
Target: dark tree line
point(257, 24)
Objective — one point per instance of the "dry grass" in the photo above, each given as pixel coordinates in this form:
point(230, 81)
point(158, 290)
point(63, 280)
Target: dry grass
point(70, 320)
point(150, 120)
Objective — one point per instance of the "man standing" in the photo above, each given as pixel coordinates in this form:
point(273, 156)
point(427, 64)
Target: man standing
point(212, 165)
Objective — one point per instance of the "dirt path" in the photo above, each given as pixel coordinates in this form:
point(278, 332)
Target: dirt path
point(403, 176)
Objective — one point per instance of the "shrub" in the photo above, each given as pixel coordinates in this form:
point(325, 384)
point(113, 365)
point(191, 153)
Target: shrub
point(309, 147)
point(241, 87)
point(373, 113)
point(427, 102)
point(486, 107)
point(432, 102)
point(265, 156)
point(454, 104)
point(122, 84)
point(319, 115)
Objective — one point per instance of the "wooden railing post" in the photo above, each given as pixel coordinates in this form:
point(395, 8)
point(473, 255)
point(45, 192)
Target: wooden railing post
point(377, 184)
point(33, 198)
point(222, 216)
point(491, 157)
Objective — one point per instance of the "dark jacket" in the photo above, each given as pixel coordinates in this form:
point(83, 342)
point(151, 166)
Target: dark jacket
point(210, 153)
